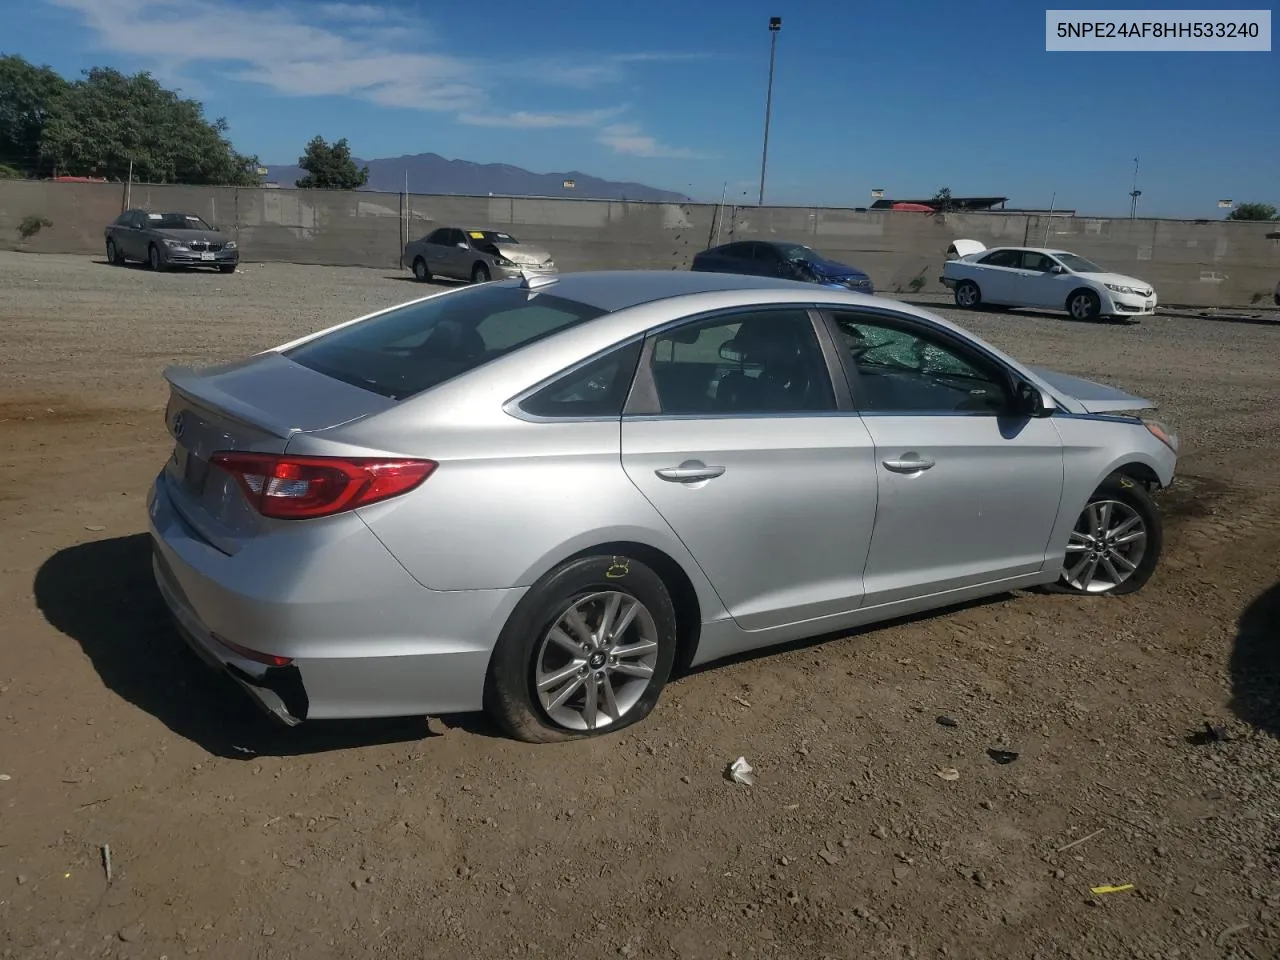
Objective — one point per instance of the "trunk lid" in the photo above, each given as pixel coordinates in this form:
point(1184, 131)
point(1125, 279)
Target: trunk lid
point(1094, 397)
point(257, 405)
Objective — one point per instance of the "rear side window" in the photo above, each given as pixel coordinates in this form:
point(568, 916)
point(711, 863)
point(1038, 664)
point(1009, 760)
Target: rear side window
point(1002, 258)
point(598, 389)
point(415, 347)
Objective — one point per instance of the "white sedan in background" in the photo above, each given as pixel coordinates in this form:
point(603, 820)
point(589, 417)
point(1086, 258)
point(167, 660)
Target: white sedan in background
point(1047, 279)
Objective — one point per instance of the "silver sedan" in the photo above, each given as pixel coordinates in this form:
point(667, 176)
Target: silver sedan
point(459, 253)
point(539, 497)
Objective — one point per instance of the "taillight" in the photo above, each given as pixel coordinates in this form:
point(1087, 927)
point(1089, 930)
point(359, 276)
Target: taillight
point(301, 488)
point(270, 659)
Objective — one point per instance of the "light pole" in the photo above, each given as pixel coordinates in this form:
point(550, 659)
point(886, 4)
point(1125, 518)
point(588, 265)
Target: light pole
point(775, 24)
point(1135, 193)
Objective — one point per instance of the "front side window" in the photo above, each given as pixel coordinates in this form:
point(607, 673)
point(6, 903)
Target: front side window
point(415, 347)
point(1038, 262)
point(440, 236)
point(902, 369)
point(760, 362)
point(1079, 264)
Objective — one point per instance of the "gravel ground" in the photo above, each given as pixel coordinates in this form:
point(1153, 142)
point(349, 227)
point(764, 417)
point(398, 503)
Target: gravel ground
point(229, 838)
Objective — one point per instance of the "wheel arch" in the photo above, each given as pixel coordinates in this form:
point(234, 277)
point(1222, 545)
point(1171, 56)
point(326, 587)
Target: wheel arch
point(684, 596)
point(1066, 303)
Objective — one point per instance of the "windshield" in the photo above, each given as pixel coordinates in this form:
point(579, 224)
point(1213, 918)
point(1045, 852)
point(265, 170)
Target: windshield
point(175, 221)
point(419, 345)
point(798, 251)
point(1078, 264)
point(491, 236)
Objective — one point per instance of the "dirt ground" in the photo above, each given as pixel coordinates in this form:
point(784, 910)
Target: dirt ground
point(415, 838)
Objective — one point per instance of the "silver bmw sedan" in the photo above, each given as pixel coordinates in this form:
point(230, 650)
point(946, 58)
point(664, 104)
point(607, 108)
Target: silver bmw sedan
point(539, 496)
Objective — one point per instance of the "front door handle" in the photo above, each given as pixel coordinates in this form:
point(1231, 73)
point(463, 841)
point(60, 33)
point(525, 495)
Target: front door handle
point(691, 471)
point(914, 465)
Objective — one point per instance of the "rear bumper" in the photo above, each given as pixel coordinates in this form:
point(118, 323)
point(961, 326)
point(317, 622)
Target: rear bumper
point(364, 639)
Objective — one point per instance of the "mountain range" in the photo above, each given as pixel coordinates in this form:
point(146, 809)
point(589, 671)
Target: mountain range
point(430, 173)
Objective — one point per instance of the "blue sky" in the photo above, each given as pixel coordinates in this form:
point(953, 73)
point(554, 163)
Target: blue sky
point(905, 97)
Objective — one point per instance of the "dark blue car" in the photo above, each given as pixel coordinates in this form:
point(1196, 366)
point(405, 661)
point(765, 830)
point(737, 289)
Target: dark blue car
point(777, 258)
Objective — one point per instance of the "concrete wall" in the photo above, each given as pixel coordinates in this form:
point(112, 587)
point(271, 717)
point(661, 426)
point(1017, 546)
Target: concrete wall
point(1198, 263)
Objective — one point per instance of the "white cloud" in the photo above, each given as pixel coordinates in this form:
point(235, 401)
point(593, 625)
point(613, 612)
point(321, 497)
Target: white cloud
point(363, 51)
point(526, 120)
point(352, 11)
point(630, 139)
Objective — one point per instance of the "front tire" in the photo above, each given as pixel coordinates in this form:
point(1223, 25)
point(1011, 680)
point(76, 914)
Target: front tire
point(587, 651)
point(420, 271)
point(1084, 305)
point(479, 273)
point(968, 296)
point(1116, 542)
point(153, 258)
point(226, 268)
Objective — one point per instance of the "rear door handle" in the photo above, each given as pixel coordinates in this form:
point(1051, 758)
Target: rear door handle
point(691, 471)
point(909, 466)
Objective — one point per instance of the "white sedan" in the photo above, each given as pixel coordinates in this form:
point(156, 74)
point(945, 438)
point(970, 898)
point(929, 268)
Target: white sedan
point(1048, 279)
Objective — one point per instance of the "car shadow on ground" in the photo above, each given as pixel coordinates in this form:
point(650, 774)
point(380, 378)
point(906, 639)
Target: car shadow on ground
point(146, 267)
point(102, 595)
point(805, 643)
point(1255, 664)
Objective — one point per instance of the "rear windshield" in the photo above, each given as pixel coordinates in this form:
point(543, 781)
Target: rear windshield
point(415, 347)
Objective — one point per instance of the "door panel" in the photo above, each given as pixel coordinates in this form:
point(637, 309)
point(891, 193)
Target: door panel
point(983, 511)
point(997, 277)
point(733, 434)
point(1040, 287)
point(968, 492)
point(781, 530)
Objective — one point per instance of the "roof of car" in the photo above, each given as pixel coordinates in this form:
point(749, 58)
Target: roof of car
point(1048, 250)
point(614, 290)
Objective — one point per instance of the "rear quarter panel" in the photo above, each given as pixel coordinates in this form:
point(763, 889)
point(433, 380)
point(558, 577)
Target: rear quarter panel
point(510, 501)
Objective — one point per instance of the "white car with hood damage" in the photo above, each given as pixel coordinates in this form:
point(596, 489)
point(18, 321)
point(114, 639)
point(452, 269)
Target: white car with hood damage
point(1044, 279)
point(467, 253)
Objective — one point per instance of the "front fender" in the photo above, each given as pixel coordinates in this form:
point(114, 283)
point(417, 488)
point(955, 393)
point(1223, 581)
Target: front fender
point(1094, 448)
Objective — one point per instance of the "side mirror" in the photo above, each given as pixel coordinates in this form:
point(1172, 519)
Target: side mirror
point(1030, 402)
point(462, 245)
point(1057, 268)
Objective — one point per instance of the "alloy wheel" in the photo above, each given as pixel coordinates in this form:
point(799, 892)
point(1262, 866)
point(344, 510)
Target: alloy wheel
point(1105, 548)
point(594, 664)
point(1081, 306)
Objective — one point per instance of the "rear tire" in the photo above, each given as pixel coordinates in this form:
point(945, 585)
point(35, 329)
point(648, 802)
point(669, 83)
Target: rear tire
point(113, 254)
point(530, 671)
point(968, 296)
point(1121, 534)
point(420, 271)
point(1084, 305)
point(479, 273)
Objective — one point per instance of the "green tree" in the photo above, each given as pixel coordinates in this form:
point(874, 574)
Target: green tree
point(108, 119)
point(330, 167)
point(942, 201)
point(1253, 211)
point(28, 94)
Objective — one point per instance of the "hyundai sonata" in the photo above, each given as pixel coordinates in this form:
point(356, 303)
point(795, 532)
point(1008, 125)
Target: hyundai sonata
point(539, 496)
